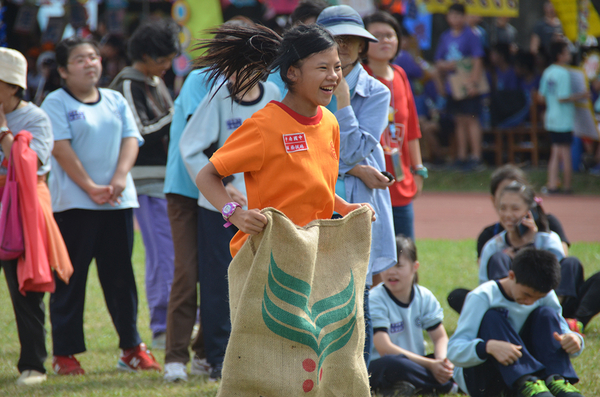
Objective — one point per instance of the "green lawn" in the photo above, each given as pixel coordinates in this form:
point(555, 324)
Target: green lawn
point(444, 265)
point(445, 180)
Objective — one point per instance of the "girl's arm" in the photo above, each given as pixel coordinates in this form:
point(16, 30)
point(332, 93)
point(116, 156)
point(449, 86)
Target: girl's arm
point(127, 157)
point(210, 184)
point(385, 347)
point(67, 158)
point(343, 207)
point(439, 337)
point(414, 149)
point(441, 368)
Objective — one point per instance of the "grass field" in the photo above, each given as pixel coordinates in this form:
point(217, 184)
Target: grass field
point(444, 265)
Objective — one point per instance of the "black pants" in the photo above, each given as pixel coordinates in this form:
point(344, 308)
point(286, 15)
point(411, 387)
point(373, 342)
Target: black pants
point(388, 370)
point(214, 258)
point(108, 237)
point(542, 354)
point(29, 315)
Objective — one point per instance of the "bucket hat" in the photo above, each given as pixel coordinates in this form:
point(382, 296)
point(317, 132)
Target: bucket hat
point(13, 67)
point(343, 20)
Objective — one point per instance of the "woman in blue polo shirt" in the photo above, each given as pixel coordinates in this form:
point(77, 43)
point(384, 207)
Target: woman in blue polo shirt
point(95, 145)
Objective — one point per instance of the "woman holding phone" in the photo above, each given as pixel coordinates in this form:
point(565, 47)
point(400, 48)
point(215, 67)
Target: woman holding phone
point(400, 140)
point(522, 229)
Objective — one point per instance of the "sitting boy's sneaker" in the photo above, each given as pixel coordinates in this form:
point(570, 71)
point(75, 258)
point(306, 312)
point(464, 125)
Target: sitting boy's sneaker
point(533, 387)
point(399, 389)
point(560, 387)
point(175, 372)
point(575, 326)
point(137, 358)
point(31, 377)
point(67, 365)
point(200, 366)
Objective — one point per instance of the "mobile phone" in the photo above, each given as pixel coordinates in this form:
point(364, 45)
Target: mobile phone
point(522, 229)
point(388, 175)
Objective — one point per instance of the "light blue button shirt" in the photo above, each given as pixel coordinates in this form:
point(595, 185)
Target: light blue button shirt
point(361, 126)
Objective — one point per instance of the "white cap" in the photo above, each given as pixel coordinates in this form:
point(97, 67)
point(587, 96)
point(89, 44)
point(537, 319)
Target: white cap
point(13, 67)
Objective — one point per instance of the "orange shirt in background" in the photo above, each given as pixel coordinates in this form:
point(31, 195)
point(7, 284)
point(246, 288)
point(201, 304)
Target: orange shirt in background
point(407, 126)
point(290, 162)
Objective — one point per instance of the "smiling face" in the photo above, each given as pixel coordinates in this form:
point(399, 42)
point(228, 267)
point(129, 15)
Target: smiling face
point(349, 49)
point(387, 47)
point(84, 67)
point(511, 209)
point(399, 278)
point(317, 77)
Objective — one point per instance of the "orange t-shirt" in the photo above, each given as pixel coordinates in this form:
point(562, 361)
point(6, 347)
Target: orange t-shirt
point(290, 162)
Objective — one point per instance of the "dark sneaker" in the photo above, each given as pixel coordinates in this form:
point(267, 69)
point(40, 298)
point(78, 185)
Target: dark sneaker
point(533, 387)
point(560, 387)
point(399, 389)
point(215, 372)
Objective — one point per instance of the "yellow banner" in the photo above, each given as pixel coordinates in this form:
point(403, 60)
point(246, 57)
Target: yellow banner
point(568, 12)
point(195, 17)
point(484, 8)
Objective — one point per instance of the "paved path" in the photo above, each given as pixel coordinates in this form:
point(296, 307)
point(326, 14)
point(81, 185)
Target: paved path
point(458, 216)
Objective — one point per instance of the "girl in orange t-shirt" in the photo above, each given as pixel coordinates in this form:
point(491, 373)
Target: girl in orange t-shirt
point(288, 151)
point(401, 139)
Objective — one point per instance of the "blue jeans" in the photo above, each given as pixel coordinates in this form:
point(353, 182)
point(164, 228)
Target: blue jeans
point(404, 220)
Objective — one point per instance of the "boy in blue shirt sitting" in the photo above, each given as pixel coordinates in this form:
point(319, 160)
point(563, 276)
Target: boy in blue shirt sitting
point(511, 336)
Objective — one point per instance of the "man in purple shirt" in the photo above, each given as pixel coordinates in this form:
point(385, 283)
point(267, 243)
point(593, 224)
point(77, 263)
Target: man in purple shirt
point(457, 43)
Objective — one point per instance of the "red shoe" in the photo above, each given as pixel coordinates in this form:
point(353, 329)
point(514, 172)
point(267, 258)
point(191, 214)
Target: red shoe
point(138, 358)
point(67, 365)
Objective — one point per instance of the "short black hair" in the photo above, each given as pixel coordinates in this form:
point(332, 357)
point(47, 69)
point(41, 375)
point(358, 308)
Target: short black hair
point(556, 48)
point(307, 9)
point(65, 47)
point(155, 39)
point(537, 269)
point(507, 172)
point(458, 7)
point(387, 18)
point(503, 49)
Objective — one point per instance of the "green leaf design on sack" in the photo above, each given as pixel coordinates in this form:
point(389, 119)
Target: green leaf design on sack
point(306, 324)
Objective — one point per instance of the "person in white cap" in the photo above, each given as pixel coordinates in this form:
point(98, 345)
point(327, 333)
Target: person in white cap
point(361, 105)
point(17, 115)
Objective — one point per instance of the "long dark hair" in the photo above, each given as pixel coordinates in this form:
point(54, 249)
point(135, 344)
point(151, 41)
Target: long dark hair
point(533, 203)
point(252, 52)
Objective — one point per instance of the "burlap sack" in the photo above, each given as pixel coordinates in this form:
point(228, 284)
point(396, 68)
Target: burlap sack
point(296, 298)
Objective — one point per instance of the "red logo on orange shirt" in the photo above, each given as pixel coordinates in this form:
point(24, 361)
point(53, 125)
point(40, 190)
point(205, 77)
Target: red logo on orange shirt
point(295, 142)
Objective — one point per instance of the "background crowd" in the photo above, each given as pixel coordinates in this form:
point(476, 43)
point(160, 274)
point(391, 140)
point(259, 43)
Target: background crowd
point(127, 138)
